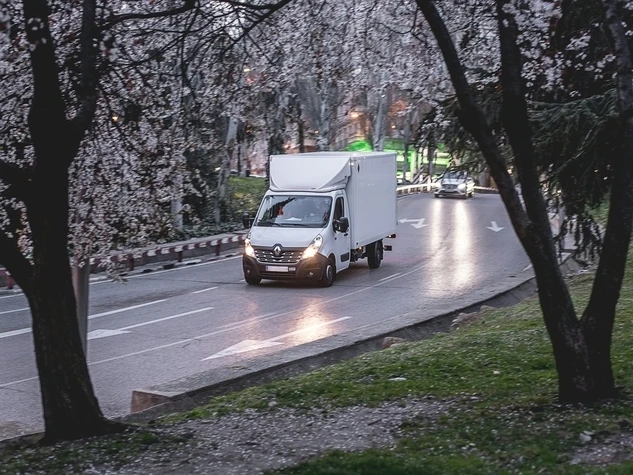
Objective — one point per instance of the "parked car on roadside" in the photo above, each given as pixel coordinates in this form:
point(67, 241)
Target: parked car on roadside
point(456, 183)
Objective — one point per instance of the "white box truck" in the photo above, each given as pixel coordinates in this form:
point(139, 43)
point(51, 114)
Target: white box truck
point(323, 211)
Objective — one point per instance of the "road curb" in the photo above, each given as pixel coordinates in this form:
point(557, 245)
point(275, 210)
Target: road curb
point(186, 393)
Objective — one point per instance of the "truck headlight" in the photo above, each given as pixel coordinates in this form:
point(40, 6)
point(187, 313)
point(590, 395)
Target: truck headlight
point(313, 248)
point(248, 249)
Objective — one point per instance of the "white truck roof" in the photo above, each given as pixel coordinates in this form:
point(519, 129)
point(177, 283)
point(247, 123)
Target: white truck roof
point(316, 171)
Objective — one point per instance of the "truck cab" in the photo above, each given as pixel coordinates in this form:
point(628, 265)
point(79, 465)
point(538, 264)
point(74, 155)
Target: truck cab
point(308, 227)
point(298, 236)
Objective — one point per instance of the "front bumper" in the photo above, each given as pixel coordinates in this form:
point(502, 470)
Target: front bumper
point(450, 192)
point(305, 269)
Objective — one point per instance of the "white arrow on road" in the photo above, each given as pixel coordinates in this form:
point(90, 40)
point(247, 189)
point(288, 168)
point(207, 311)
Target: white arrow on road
point(96, 334)
point(249, 345)
point(494, 227)
point(416, 223)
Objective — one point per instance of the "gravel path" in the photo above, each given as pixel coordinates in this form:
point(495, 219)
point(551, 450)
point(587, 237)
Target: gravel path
point(253, 442)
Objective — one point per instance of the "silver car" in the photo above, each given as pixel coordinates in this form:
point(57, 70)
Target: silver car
point(456, 183)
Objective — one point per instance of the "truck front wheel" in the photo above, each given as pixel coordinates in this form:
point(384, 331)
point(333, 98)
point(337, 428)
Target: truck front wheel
point(329, 274)
point(250, 280)
point(374, 254)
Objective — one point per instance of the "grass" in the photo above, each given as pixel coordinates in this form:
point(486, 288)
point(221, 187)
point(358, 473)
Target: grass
point(75, 457)
point(496, 375)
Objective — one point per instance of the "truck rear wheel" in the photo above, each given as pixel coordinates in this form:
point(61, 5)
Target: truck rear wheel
point(374, 254)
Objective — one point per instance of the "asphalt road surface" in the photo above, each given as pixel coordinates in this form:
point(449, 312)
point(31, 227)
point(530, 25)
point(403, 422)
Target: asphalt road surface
point(164, 325)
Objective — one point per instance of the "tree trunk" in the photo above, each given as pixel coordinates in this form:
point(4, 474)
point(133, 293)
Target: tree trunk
point(379, 122)
point(570, 348)
point(598, 320)
point(301, 134)
point(532, 227)
point(70, 407)
point(431, 154)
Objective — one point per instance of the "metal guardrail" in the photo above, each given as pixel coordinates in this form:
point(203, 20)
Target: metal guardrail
point(173, 251)
point(158, 253)
point(428, 187)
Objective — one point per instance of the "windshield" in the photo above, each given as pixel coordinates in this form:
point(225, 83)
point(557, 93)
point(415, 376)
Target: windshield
point(454, 175)
point(294, 211)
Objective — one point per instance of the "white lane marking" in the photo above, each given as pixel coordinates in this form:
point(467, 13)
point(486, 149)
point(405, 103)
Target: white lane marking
point(270, 316)
point(149, 274)
point(204, 290)
point(528, 267)
point(389, 277)
point(95, 334)
point(246, 322)
point(5, 385)
point(261, 318)
point(248, 345)
point(15, 332)
point(10, 296)
point(171, 317)
point(91, 317)
point(133, 307)
point(146, 274)
point(494, 227)
point(14, 311)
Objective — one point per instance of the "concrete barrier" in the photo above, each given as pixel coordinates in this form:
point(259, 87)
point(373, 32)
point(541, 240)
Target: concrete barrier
point(6, 280)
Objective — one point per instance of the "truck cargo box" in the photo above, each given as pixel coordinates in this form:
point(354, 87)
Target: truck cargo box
point(369, 180)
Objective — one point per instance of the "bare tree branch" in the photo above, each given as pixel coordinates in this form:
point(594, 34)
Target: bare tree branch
point(89, 76)
point(249, 6)
point(600, 312)
point(47, 117)
point(187, 5)
point(272, 8)
point(18, 178)
point(514, 113)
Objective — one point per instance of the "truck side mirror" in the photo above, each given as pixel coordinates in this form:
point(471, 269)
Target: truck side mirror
point(341, 225)
point(247, 221)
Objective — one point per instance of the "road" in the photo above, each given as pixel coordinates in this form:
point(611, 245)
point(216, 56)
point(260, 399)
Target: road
point(163, 325)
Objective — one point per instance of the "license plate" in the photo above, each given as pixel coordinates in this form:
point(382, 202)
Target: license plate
point(276, 268)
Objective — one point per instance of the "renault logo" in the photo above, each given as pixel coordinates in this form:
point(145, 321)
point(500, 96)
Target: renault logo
point(277, 250)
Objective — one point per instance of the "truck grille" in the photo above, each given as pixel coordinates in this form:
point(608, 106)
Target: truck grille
point(266, 256)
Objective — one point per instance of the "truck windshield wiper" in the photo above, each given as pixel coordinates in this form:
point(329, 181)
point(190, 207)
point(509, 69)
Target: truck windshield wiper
point(267, 223)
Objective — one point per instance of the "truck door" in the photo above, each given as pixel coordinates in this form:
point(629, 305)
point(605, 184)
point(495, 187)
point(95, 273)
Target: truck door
point(341, 239)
